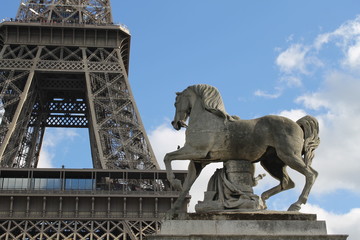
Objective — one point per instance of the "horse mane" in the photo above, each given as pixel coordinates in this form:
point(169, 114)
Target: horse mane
point(212, 100)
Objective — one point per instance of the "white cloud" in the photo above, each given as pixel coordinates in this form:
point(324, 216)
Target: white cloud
point(346, 33)
point(54, 136)
point(352, 57)
point(293, 62)
point(347, 39)
point(300, 60)
point(291, 81)
point(313, 101)
point(264, 94)
point(52, 139)
point(164, 139)
point(293, 59)
point(294, 114)
point(320, 40)
point(347, 223)
point(339, 94)
point(290, 38)
point(45, 159)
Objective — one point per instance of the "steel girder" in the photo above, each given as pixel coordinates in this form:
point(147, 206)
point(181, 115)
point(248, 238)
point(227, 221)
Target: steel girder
point(78, 229)
point(69, 86)
point(69, 11)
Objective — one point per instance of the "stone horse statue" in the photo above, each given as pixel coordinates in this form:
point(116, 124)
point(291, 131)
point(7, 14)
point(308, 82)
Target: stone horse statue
point(212, 135)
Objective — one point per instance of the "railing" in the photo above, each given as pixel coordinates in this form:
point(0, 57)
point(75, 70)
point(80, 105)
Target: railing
point(82, 215)
point(86, 192)
point(67, 23)
point(86, 181)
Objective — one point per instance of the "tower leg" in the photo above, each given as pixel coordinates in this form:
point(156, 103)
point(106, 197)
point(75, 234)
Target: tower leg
point(14, 123)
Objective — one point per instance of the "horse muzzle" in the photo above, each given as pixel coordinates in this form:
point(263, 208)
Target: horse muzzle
point(179, 124)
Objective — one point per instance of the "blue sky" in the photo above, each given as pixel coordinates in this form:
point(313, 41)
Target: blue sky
point(266, 57)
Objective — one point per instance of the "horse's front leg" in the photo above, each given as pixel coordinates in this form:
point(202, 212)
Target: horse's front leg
point(194, 171)
point(175, 183)
point(185, 153)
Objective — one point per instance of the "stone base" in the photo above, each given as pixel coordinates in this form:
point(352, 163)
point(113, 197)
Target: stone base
point(247, 237)
point(247, 226)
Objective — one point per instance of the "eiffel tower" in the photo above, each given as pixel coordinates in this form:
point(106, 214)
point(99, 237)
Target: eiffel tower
point(64, 63)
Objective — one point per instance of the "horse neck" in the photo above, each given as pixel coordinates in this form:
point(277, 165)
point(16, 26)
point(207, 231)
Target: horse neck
point(200, 118)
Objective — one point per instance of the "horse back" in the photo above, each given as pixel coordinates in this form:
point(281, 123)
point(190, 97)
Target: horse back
point(267, 131)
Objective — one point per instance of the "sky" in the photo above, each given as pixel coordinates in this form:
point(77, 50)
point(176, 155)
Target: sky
point(289, 58)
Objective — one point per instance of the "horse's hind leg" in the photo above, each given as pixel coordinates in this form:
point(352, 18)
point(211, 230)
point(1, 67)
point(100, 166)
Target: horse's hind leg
point(280, 174)
point(277, 169)
point(297, 163)
point(310, 176)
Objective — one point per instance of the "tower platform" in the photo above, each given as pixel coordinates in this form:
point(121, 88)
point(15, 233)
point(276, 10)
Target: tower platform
point(83, 203)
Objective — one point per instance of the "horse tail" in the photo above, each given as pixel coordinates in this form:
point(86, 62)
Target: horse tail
point(310, 127)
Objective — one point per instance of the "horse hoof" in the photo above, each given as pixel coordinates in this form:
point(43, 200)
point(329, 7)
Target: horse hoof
point(294, 207)
point(176, 183)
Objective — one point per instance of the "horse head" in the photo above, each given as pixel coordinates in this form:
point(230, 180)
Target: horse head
point(182, 109)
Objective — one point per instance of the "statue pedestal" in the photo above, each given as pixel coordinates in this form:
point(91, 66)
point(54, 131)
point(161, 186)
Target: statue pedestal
point(261, 225)
point(231, 188)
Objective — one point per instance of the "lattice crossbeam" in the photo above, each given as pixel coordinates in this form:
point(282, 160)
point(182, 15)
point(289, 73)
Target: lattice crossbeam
point(69, 11)
point(77, 229)
point(63, 100)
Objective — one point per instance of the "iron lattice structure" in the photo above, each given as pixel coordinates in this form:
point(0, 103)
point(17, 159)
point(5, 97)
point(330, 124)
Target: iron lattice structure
point(69, 11)
point(68, 72)
point(75, 229)
point(63, 63)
